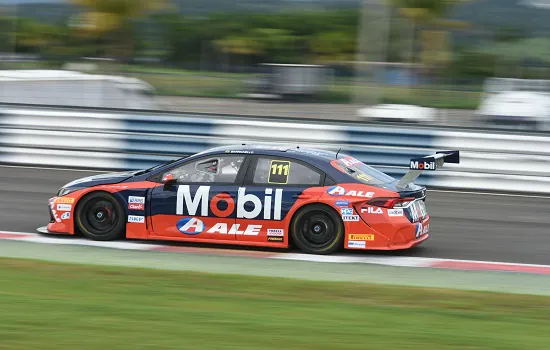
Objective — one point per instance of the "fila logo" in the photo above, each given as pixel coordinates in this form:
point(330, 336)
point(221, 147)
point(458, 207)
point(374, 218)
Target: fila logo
point(422, 165)
point(371, 210)
point(198, 205)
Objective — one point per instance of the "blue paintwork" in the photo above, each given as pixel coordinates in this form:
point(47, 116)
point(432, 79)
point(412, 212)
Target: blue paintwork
point(317, 158)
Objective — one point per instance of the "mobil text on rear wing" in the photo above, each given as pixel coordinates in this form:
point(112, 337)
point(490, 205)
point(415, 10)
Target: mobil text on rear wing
point(430, 163)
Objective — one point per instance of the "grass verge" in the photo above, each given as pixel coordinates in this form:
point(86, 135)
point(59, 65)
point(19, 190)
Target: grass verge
point(61, 306)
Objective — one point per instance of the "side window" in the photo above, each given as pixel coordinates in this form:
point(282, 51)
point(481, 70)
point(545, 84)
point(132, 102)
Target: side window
point(217, 169)
point(276, 171)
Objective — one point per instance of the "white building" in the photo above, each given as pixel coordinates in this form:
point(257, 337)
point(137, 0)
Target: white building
point(69, 88)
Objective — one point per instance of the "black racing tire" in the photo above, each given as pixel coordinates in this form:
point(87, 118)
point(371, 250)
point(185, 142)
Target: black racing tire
point(317, 229)
point(100, 217)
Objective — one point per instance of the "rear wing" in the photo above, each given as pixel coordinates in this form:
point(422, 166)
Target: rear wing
point(428, 163)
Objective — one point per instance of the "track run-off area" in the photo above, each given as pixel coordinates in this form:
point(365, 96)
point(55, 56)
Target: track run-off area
point(475, 239)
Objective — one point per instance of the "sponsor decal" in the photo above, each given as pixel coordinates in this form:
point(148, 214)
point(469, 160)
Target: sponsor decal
point(198, 204)
point(136, 206)
point(64, 201)
point(371, 210)
point(395, 212)
point(279, 172)
point(66, 216)
point(342, 203)
point(338, 191)
point(54, 213)
point(275, 239)
point(136, 219)
point(357, 244)
point(239, 152)
point(64, 207)
point(275, 232)
point(422, 230)
point(136, 200)
point(250, 230)
point(364, 177)
point(416, 165)
point(346, 211)
point(418, 210)
point(350, 217)
point(190, 226)
point(194, 226)
point(360, 237)
point(349, 161)
point(418, 230)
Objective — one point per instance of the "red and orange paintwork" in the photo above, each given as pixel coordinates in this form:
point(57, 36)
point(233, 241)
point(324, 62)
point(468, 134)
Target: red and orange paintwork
point(388, 233)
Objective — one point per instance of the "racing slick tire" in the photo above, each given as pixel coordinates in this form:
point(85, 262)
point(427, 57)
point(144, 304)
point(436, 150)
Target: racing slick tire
point(317, 229)
point(100, 217)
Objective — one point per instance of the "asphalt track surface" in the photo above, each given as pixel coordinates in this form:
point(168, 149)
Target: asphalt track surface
point(466, 226)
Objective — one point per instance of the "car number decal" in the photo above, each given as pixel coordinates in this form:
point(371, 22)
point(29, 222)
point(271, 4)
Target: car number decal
point(278, 173)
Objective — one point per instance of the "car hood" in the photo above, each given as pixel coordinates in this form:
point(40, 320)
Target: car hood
point(102, 179)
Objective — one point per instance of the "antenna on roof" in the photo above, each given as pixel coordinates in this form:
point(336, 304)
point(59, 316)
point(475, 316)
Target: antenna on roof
point(338, 152)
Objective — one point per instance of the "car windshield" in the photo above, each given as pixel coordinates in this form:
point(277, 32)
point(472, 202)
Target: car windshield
point(144, 171)
point(361, 171)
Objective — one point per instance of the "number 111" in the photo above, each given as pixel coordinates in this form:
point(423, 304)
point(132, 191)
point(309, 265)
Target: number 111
point(279, 169)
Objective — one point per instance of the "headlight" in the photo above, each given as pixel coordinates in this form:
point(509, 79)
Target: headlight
point(65, 191)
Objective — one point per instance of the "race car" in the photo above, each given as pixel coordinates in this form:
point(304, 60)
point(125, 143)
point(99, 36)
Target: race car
point(255, 195)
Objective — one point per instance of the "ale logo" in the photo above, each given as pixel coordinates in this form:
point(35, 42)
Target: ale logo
point(337, 191)
point(190, 226)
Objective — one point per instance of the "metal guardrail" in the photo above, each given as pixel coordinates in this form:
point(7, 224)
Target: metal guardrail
point(125, 140)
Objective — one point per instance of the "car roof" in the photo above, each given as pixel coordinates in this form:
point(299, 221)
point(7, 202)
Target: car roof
point(311, 155)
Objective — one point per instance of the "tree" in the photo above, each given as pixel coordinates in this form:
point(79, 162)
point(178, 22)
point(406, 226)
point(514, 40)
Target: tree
point(429, 17)
point(113, 20)
point(330, 47)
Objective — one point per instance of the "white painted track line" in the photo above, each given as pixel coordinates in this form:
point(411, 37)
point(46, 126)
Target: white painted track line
point(395, 261)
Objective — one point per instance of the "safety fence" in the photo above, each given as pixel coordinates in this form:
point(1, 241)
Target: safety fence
point(121, 140)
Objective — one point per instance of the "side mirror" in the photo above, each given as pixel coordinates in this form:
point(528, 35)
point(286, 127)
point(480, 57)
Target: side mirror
point(168, 181)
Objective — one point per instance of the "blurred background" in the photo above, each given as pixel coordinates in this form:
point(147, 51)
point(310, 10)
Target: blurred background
point(461, 62)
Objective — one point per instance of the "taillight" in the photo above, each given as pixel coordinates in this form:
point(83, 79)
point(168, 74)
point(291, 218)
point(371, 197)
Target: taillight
point(390, 202)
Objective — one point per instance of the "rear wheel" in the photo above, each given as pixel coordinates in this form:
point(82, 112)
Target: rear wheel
point(99, 216)
point(317, 229)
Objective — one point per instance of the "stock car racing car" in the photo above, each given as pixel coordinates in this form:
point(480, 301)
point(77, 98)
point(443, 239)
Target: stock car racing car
point(254, 195)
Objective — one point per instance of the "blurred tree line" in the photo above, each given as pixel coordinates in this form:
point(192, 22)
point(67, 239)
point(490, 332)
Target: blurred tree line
point(151, 29)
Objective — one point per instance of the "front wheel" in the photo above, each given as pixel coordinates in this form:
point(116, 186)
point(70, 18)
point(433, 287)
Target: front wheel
point(317, 229)
point(99, 216)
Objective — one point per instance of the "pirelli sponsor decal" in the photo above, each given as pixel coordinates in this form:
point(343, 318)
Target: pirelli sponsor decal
point(64, 201)
point(361, 237)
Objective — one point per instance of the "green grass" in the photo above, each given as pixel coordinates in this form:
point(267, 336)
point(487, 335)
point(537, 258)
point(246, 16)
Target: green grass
point(169, 81)
point(229, 85)
point(56, 306)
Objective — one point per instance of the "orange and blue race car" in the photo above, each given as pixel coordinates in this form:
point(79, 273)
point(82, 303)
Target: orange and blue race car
point(254, 195)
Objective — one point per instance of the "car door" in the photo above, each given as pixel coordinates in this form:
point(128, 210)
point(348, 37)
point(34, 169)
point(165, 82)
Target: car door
point(201, 203)
point(272, 187)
